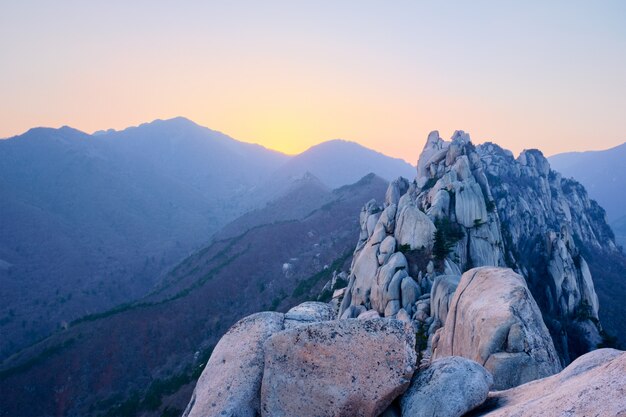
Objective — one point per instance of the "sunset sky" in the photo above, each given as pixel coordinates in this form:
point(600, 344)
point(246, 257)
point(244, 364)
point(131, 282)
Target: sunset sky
point(290, 74)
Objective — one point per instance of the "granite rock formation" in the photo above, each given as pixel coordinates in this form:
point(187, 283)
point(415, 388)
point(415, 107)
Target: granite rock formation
point(339, 368)
point(449, 387)
point(479, 206)
point(473, 274)
point(231, 382)
point(592, 385)
point(494, 320)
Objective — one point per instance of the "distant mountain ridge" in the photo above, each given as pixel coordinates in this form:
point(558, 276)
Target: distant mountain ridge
point(339, 162)
point(603, 173)
point(91, 221)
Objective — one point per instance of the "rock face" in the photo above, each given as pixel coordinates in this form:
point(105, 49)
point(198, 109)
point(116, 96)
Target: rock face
point(414, 228)
point(479, 206)
point(546, 223)
point(592, 385)
point(338, 368)
point(494, 321)
point(448, 387)
point(230, 385)
point(231, 382)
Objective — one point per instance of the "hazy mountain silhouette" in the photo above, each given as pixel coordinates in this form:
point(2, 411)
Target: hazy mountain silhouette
point(603, 173)
point(339, 162)
point(91, 221)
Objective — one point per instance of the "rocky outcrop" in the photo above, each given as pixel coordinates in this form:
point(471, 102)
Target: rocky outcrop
point(338, 368)
point(231, 382)
point(467, 269)
point(414, 228)
point(546, 221)
point(479, 206)
point(494, 321)
point(307, 313)
point(448, 387)
point(592, 385)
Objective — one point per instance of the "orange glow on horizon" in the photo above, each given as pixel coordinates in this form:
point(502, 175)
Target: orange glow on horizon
point(290, 76)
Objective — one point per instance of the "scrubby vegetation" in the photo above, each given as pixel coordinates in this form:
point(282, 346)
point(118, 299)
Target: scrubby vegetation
point(585, 312)
point(421, 341)
point(151, 399)
point(306, 285)
point(608, 341)
point(327, 294)
point(429, 184)
point(404, 248)
point(46, 353)
point(446, 236)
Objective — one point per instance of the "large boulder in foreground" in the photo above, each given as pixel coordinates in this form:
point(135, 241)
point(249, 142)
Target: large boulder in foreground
point(449, 387)
point(592, 385)
point(494, 320)
point(231, 382)
point(338, 368)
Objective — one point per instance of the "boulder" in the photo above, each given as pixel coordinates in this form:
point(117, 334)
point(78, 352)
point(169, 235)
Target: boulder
point(414, 228)
point(353, 312)
point(592, 385)
point(364, 270)
point(371, 208)
point(387, 220)
point(338, 368)
point(392, 291)
point(410, 293)
point(402, 315)
point(385, 288)
point(434, 150)
point(440, 205)
point(449, 387)
point(307, 313)
point(230, 384)
point(396, 189)
point(441, 294)
point(386, 249)
point(494, 320)
point(470, 206)
point(392, 308)
point(368, 315)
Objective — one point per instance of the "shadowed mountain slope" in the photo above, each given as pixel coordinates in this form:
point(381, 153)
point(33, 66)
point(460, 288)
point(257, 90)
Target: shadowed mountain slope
point(91, 221)
point(128, 360)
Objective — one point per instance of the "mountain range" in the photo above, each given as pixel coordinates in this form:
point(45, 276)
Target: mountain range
point(93, 221)
point(603, 173)
point(127, 255)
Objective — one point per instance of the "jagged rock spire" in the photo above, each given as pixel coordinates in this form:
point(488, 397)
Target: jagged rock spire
point(479, 206)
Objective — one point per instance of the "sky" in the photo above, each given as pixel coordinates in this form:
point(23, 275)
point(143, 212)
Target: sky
point(290, 74)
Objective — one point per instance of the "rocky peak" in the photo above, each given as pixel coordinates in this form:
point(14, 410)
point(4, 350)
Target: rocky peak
point(479, 206)
point(536, 163)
